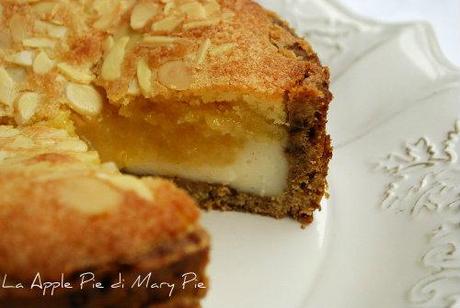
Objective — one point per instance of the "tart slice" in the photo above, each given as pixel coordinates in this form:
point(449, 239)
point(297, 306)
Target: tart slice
point(220, 96)
point(66, 217)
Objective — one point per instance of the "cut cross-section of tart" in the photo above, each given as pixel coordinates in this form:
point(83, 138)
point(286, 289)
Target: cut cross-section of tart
point(220, 96)
point(67, 217)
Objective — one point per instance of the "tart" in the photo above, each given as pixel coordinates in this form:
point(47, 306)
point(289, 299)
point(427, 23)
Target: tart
point(64, 214)
point(220, 96)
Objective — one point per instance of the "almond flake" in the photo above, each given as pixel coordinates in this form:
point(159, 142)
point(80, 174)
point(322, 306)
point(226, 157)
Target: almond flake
point(108, 43)
point(44, 8)
point(193, 10)
point(18, 74)
point(24, 58)
point(159, 40)
point(5, 40)
point(111, 68)
point(84, 99)
point(52, 30)
point(87, 195)
point(141, 14)
point(39, 42)
point(167, 24)
point(22, 142)
point(175, 75)
point(211, 8)
point(71, 145)
point(26, 106)
point(133, 88)
point(110, 12)
point(77, 74)
point(7, 131)
point(42, 63)
point(202, 51)
point(144, 77)
point(128, 182)
point(221, 49)
point(18, 28)
point(227, 15)
point(169, 7)
point(201, 23)
point(7, 88)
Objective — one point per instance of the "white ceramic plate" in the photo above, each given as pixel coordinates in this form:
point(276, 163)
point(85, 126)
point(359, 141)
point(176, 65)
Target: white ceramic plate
point(389, 236)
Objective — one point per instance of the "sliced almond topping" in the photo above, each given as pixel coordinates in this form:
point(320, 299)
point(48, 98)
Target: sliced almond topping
point(52, 30)
point(110, 12)
point(109, 167)
point(71, 145)
point(18, 74)
point(104, 22)
point(7, 88)
point(24, 58)
point(88, 195)
point(108, 43)
point(227, 15)
point(169, 6)
point(43, 8)
point(159, 40)
point(42, 63)
point(104, 7)
point(144, 77)
point(26, 106)
point(5, 40)
point(193, 10)
point(133, 88)
point(111, 68)
point(22, 142)
point(3, 155)
point(77, 74)
point(142, 13)
point(127, 182)
point(175, 75)
point(7, 131)
point(201, 23)
point(211, 8)
point(84, 99)
point(221, 49)
point(203, 51)
point(38, 42)
point(167, 24)
point(18, 28)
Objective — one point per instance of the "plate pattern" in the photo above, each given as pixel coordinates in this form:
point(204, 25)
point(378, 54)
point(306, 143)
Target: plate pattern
point(426, 177)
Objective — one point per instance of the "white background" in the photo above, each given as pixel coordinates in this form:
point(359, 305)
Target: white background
point(443, 15)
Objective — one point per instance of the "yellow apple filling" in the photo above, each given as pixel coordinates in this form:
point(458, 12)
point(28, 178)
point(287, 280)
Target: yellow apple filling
point(218, 142)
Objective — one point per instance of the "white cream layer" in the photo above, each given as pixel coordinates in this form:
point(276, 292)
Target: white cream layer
point(261, 168)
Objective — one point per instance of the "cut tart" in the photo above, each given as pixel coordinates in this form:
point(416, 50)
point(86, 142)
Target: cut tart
point(64, 214)
point(220, 96)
